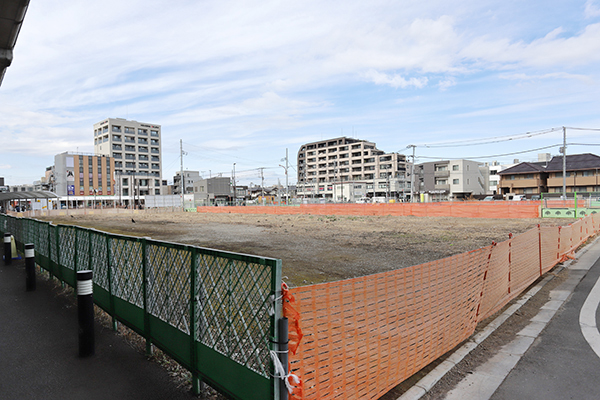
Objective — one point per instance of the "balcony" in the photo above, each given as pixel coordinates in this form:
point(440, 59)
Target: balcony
point(155, 151)
point(445, 187)
point(441, 174)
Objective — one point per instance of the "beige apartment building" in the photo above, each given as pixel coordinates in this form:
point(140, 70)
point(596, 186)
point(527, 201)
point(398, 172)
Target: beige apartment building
point(582, 175)
point(346, 169)
point(77, 174)
point(135, 148)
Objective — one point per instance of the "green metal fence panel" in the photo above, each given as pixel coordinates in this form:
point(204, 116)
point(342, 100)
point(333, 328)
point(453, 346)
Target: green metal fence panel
point(214, 312)
point(235, 306)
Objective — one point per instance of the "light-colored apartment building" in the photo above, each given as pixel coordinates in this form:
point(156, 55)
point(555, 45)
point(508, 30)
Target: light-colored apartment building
point(452, 179)
point(136, 150)
point(189, 178)
point(346, 169)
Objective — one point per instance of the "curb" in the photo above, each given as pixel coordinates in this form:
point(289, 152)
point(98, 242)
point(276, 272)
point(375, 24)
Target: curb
point(427, 382)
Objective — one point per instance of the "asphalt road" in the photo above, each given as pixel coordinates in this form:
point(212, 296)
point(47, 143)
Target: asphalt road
point(39, 351)
point(560, 364)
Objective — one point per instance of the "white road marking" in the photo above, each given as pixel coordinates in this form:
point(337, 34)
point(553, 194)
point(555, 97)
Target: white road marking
point(587, 318)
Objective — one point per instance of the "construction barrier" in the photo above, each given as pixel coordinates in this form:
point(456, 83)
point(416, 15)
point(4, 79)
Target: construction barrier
point(474, 209)
point(361, 337)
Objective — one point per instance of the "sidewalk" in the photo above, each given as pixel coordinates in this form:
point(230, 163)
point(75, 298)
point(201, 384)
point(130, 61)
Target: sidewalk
point(39, 351)
point(549, 359)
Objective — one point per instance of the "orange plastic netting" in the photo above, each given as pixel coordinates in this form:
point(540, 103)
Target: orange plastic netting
point(475, 209)
point(363, 336)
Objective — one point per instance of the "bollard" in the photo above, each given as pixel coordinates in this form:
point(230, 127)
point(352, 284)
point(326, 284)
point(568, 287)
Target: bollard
point(85, 313)
point(7, 249)
point(283, 354)
point(29, 267)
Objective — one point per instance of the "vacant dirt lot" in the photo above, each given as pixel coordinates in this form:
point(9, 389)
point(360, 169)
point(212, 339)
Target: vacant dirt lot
point(320, 248)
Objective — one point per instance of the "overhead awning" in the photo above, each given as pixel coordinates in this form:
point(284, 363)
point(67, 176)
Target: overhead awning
point(27, 195)
point(12, 13)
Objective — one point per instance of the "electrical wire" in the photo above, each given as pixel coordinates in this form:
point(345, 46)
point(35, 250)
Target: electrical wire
point(492, 156)
point(583, 129)
point(498, 139)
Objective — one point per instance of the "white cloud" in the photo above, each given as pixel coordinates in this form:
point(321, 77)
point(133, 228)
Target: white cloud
point(446, 83)
point(279, 72)
point(5, 166)
point(592, 10)
point(395, 81)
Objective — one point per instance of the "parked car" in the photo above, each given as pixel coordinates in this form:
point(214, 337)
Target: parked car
point(535, 197)
point(488, 198)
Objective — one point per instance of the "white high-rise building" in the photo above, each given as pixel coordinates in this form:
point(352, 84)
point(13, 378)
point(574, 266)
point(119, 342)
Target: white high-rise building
point(136, 150)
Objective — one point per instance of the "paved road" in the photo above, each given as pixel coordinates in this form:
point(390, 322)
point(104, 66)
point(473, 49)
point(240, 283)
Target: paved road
point(550, 359)
point(39, 351)
point(560, 364)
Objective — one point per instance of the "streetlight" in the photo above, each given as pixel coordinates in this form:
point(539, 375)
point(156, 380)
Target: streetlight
point(412, 172)
point(287, 190)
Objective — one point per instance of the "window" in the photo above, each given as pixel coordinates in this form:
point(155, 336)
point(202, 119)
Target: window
point(116, 128)
point(125, 192)
point(455, 181)
point(455, 167)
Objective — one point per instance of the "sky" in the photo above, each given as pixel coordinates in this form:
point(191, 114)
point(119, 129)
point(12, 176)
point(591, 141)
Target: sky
point(240, 82)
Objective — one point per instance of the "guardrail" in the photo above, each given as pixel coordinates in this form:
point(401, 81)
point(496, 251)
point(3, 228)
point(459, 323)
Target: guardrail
point(214, 312)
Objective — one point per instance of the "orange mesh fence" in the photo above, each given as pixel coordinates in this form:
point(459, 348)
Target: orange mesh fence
point(550, 247)
point(476, 209)
point(363, 336)
point(496, 280)
point(525, 261)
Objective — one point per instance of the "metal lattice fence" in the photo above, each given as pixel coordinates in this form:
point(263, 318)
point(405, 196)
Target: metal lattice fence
point(214, 312)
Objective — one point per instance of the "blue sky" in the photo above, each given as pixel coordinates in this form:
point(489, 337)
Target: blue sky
point(240, 81)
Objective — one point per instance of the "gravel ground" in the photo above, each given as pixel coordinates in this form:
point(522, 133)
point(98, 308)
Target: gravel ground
point(327, 248)
point(318, 249)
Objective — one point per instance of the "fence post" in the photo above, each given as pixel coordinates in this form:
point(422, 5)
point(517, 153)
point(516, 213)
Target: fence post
point(147, 333)
point(111, 298)
point(282, 326)
point(29, 267)
point(510, 236)
point(194, 334)
point(540, 251)
point(85, 312)
point(7, 250)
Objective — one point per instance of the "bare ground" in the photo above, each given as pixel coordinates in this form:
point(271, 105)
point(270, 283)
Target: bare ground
point(327, 248)
point(318, 249)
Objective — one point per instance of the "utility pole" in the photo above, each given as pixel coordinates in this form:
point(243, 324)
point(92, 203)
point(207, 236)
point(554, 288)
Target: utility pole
point(287, 186)
point(181, 172)
point(564, 157)
point(412, 173)
point(234, 194)
point(262, 183)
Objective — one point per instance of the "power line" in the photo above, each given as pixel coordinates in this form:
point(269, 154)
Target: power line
point(497, 139)
point(495, 155)
point(583, 129)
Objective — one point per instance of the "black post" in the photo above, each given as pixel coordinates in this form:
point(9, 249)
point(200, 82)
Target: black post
point(283, 354)
point(30, 267)
point(85, 312)
point(7, 250)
